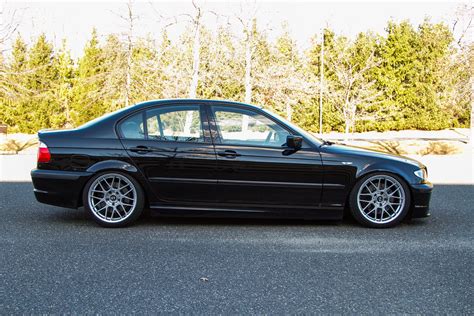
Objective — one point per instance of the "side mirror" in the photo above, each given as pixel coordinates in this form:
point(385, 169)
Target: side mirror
point(294, 141)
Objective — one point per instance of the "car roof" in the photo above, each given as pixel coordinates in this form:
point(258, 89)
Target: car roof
point(178, 101)
point(106, 123)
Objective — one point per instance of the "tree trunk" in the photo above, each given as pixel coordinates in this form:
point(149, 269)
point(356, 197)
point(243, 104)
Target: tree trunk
point(472, 117)
point(196, 57)
point(289, 111)
point(248, 78)
point(128, 80)
point(347, 116)
point(68, 115)
point(347, 129)
point(195, 77)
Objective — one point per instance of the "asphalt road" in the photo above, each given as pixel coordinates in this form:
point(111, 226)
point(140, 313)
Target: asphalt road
point(55, 260)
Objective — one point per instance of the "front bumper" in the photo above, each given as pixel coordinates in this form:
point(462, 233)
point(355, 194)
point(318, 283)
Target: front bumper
point(60, 188)
point(421, 195)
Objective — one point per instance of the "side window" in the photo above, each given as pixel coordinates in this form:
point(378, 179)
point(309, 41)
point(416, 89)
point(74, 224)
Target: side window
point(244, 127)
point(175, 123)
point(132, 127)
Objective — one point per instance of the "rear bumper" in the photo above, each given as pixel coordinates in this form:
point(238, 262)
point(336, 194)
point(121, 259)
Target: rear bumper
point(60, 188)
point(421, 195)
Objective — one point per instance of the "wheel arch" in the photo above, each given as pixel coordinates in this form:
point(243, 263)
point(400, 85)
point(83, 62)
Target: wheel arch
point(383, 169)
point(394, 169)
point(114, 166)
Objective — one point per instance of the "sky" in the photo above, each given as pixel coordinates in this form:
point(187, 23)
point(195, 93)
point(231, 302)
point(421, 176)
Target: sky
point(74, 20)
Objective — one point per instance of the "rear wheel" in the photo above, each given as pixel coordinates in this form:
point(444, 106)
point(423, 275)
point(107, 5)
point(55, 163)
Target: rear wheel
point(380, 200)
point(113, 199)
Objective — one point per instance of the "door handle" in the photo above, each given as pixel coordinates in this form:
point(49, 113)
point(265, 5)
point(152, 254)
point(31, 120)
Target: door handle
point(228, 154)
point(140, 149)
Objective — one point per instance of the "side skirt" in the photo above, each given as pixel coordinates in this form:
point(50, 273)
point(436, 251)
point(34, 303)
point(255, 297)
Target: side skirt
point(334, 213)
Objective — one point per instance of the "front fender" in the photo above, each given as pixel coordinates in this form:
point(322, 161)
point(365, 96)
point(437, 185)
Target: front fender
point(401, 170)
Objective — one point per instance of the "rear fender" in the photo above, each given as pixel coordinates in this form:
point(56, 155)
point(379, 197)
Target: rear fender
point(112, 164)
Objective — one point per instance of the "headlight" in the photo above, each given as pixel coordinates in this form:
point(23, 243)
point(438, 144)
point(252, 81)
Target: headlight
point(421, 173)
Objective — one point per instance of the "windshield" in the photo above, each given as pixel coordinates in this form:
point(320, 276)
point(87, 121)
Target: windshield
point(298, 129)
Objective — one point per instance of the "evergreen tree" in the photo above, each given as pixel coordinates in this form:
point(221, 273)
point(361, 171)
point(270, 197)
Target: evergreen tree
point(87, 95)
point(43, 110)
point(65, 68)
point(407, 78)
point(14, 91)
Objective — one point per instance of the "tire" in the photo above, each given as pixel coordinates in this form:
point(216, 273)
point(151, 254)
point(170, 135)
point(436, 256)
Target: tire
point(380, 200)
point(113, 199)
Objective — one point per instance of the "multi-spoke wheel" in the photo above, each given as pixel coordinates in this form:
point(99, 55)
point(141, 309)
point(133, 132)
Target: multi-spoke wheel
point(380, 200)
point(113, 199)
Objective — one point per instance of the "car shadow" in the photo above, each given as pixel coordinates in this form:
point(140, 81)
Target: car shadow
point(153, 219)
point(449, 203)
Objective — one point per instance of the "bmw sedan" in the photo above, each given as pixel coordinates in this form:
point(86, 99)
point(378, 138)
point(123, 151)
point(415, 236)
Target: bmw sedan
point(220, 158)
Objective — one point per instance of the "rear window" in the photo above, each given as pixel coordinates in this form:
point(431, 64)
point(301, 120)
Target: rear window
point(170, 123)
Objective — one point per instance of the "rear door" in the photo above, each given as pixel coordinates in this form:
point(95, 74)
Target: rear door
point(171, 145)
point(254, 166)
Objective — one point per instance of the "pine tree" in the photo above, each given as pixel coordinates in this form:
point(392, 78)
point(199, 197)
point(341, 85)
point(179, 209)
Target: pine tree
point(115, 88)
point(42, 111)
point(87, 95)
point(14, 90)
point(63, 85)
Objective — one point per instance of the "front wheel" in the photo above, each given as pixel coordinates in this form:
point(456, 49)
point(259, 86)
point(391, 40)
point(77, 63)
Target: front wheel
point(113, 199)
point(380, 200)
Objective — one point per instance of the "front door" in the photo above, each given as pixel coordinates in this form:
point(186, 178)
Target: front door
point(256, 168)
point(171, 146)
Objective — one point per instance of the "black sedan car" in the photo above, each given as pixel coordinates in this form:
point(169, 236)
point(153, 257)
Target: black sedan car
point(220, 158)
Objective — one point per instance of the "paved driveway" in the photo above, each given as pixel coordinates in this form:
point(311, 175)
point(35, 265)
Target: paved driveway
point(54, 260)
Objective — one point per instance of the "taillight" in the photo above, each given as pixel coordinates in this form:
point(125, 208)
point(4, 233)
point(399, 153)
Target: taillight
point(43, 153)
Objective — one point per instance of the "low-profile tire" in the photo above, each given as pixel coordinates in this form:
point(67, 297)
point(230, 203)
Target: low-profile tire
point(113, 199)
point(380, 200)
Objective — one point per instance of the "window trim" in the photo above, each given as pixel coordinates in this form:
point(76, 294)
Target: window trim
point(160, 126)
point(218, 139)
point(206, 129)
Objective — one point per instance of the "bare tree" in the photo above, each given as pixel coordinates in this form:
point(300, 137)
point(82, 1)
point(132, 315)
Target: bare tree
point(463, 25)
point(9, 22)
point(195, 20)
point(130, 18)
point(350, 89)
point(247, 19)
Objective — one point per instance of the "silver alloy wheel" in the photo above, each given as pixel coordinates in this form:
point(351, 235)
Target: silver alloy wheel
point(381, 199)
point(112, 197)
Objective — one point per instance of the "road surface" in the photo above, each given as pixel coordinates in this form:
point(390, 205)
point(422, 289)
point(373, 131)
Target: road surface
point(55, 260)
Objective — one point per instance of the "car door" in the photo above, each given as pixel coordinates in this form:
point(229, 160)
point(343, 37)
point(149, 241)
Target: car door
point(254, 165)
point(171, 146)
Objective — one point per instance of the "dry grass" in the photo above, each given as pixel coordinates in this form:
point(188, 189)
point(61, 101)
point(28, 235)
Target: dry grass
point(393, 147)
point(17, 146)
point(439, 148)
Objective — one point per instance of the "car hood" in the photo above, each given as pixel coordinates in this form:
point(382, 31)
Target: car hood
point(370, 153)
